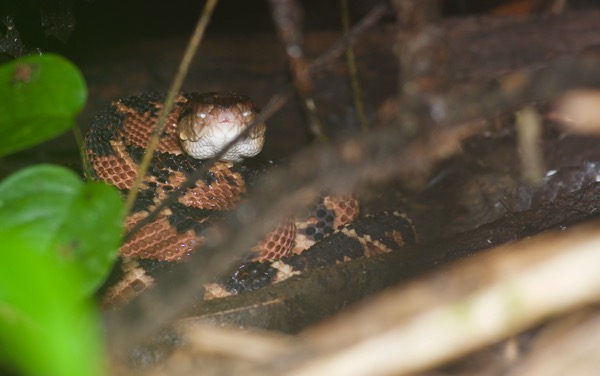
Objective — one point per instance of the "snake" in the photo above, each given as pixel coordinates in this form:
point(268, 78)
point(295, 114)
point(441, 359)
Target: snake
point(196, 130)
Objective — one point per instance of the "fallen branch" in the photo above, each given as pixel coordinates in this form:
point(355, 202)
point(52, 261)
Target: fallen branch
point(466, 306)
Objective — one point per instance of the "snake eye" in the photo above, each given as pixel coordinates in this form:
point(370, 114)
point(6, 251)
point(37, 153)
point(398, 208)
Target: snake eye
point(246, 113)
point(202, 115)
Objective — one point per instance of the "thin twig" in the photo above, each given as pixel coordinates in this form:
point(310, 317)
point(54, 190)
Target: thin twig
point(340, 46)
point(170, 100)
point(253, 345)
point(87, 166)
point(529, 133)
point(357, 96)
point(287, 16)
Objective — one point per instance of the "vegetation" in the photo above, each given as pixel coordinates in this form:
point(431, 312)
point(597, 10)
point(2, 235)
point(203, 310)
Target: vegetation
point(58, 234)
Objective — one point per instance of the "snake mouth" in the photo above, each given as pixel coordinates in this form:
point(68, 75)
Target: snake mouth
point(226, 116)
point(220, 135)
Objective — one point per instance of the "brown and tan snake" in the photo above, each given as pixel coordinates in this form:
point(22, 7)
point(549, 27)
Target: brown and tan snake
point(196, 129)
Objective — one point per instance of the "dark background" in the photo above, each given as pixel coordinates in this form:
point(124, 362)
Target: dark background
point(100, 22)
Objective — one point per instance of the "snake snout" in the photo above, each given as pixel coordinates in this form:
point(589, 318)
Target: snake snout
point(226, 116)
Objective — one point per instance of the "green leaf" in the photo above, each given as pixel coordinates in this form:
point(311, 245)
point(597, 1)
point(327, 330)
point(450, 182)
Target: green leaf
point(39, 99)
point(53, 211)
point(58, 241)
point(45, 326)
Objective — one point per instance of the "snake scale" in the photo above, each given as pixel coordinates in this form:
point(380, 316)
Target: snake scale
point(196, 129)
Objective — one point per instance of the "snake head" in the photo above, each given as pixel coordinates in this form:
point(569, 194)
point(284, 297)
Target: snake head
point(208, 122)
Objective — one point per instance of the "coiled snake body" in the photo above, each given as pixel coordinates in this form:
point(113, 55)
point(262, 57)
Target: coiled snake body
point(197, 128)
